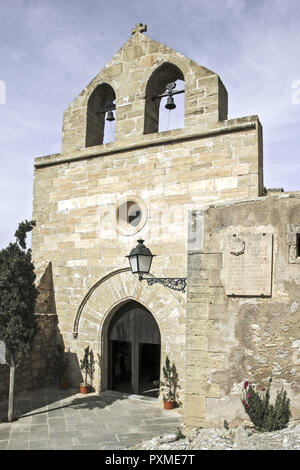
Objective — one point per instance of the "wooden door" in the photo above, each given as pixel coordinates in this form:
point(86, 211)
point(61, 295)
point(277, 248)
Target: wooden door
point(134, 350)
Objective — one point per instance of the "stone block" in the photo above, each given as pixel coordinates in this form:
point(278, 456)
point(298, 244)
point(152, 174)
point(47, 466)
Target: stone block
point(201, 326)
point(198, 343)
point(225, 183)
point(214, 279)
point(198, 310)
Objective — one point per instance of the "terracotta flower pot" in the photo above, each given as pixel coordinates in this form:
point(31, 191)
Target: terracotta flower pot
point(85, 388)
point(169, 405)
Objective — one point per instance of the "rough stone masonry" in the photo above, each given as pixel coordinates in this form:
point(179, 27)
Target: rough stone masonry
point(196, 196)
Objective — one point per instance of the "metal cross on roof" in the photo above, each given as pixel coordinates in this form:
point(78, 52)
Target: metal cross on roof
point(139, 28)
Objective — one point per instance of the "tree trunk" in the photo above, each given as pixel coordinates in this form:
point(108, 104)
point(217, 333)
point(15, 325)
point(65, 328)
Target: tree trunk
point(12, 369)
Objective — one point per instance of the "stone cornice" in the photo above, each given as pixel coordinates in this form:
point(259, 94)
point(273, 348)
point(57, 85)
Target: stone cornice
point(59, 159)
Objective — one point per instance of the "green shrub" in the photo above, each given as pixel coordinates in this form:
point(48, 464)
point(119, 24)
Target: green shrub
point(265, 416)
point(169, 385)
point(87, 365)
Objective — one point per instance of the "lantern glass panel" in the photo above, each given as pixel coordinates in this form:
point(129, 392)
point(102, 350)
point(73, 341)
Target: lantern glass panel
point(133, 264)
point(144, 263)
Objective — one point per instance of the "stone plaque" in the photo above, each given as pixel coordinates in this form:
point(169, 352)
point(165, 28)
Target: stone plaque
point(2, 352)
point(248, 264)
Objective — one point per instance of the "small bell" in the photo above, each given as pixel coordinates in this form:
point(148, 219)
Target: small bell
point(110, 116)
point(170, 103)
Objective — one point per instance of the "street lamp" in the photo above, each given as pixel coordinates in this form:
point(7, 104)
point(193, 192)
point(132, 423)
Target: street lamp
point(140, 260)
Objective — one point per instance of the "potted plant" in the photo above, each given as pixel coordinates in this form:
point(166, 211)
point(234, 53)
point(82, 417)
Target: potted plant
point(169, 385)
point(60, 367)
point(87, 366)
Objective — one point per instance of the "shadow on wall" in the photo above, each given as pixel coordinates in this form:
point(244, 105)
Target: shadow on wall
point(44, 379)
point(45, 302)
point(37, 370)
point(48, 362)
point(74, 373)
point(49, 369)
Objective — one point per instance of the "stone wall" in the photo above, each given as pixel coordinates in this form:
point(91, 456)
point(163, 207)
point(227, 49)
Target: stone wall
point(128, 74)
point(35, 371)
point(252, 335)
point(78, 194)
point(76, 203)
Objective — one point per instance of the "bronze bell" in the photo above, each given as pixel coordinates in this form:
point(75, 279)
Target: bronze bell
point(170, 103)
point(110, 116)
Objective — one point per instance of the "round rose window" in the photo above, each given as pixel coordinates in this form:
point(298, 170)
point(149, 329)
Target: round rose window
point(131, 216)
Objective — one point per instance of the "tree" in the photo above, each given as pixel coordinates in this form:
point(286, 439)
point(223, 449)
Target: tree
point(18, 294)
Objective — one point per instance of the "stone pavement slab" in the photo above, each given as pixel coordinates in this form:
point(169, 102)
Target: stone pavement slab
point(54, 419)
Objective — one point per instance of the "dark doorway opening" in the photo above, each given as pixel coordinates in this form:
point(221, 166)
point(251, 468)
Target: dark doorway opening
point(121, 366)
point(298, 245)
point(134, 351)
point(149, 361)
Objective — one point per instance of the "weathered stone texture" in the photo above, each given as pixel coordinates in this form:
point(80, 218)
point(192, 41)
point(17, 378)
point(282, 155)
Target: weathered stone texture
point(35, 371)
point(77, 200)
point(243, 337)
point(77, 193)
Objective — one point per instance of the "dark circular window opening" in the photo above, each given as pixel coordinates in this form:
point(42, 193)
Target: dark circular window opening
point(131, 215)
point(130, 212)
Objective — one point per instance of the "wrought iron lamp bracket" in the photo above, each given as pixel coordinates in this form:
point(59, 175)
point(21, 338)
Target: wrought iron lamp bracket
point(174, 283)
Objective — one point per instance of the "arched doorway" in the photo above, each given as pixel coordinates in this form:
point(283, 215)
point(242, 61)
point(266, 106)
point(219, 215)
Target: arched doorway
point(133, 351)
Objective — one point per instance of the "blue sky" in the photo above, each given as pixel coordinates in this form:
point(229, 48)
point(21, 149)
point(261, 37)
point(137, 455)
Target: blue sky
point(51, 49)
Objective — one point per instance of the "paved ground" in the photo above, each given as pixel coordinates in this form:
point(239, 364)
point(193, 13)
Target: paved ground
point(55, 419)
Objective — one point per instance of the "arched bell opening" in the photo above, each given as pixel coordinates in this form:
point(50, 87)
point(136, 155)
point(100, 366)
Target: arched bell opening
point(170, 117)
point(100, 125)
point(133, 351)
point(166, 112)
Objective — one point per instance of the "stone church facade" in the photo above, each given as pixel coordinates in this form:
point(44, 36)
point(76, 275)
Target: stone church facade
point(197, 198)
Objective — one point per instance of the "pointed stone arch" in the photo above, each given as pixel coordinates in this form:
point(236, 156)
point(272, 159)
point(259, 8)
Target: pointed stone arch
point(99, 100)
point(167, 72)
point(107, 295)
point(131, 350)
